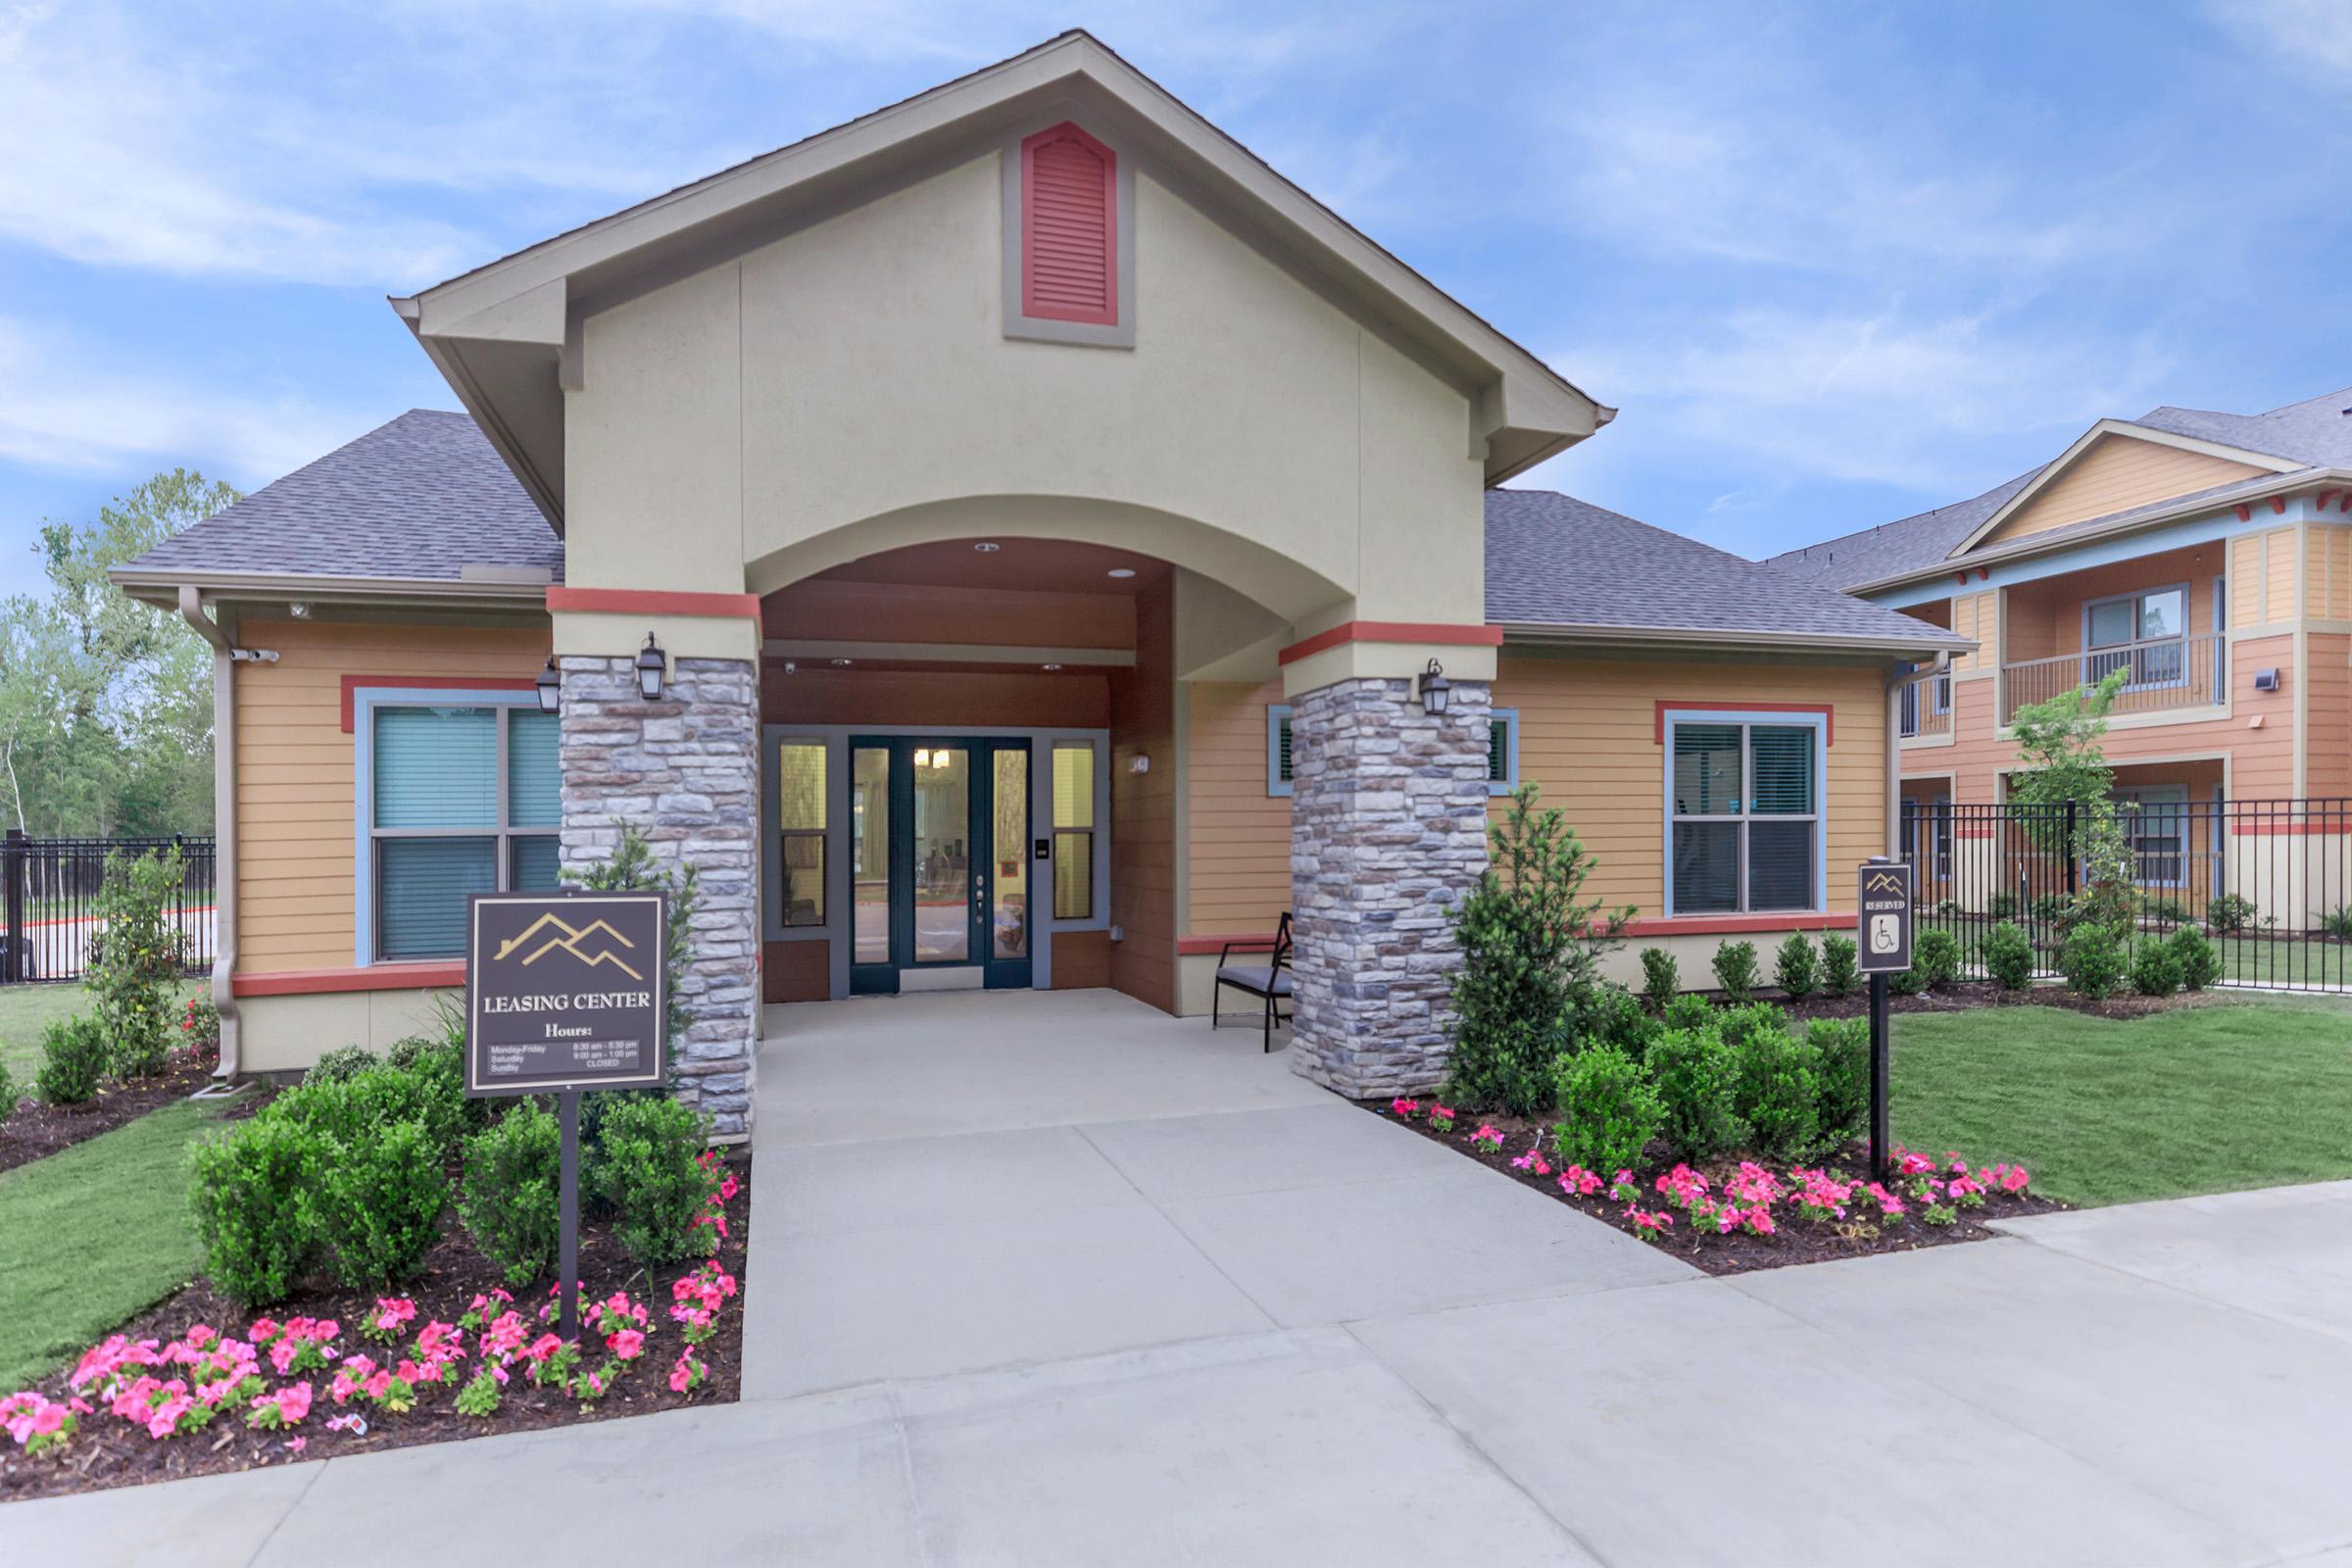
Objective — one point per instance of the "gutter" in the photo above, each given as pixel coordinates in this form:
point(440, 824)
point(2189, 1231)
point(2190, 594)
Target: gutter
point(1928, 645)
point(226, 655)
point(328, 589)
point(1899, 677)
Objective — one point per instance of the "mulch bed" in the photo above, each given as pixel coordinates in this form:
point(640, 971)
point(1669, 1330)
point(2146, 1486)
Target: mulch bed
point(1969, 995)
point(110, 1451)
point(1796, 1241)
point(37, 1131)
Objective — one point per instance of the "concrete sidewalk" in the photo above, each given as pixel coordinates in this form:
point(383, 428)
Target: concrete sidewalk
point(1069, 1282)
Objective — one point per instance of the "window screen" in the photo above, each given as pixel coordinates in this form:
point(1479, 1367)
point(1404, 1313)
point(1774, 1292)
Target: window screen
point(1743, 818)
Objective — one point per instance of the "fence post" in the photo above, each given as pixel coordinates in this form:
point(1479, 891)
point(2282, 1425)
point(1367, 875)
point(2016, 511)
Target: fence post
point(11, 896)
point(2068, 848)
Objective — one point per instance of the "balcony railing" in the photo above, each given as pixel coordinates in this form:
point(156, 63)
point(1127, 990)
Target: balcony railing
point(1928, 708)
point(2165, 675)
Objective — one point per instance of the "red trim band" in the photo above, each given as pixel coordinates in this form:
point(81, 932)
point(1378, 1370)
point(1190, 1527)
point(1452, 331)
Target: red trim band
point(1827, 715)
point(1391, 631)
point(653, 602)
point(373, 977)
point(1707, 925)
point(448, 683)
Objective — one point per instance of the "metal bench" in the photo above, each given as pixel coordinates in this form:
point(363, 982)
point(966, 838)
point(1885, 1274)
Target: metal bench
point(1269, 982)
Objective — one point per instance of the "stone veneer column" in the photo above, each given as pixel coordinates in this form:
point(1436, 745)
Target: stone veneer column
point(1387, 832)
point(685, 773)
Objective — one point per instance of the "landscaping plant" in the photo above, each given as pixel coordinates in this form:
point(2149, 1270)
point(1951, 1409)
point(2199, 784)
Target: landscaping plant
point(380, 1197)
point(250, 1196)
point(2337, 922)
point(135, 962)
point(1661, 979)
point(1608, 1110)
point(8, 1093)
point(2228, 915)
point(2092, 961)
point(1937, 958)
point(1840, 964)
point(509, 1202)
point(633, 867)
point(1841, 1073)
point(2009, 956)
point(1531, 945)
point(1777, 1091)
point(336, 1064)
point(2001, 906)
point(2200, 960)
point(1689, 1011)
point(1795, 969)
point(2155, 968)
point(1736, 971)
point(1735, 1024)
point(1696, 1076)
point(74, 1059)
point(646, 1167)
point(2064, 771)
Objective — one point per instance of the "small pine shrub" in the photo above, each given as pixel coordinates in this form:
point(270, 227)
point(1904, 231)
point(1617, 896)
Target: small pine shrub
point(2200, 960)
point(2229, 914)
point(1736, 970)
point(2092, 961)
point(1696, 1074)
point(645, 1169)
point(1795, 968)
point(1777, 1092)
point(1937, 958)
point(2155, 969)
point(1689, 1011)
point(509, 1203)
point(342, 1063)
point(251, 1197)
point(1841, 1073)
point(1609, 1111)
point(74, 1058)
point(1661, 979)
point(1840, 964)
point(2009, 956)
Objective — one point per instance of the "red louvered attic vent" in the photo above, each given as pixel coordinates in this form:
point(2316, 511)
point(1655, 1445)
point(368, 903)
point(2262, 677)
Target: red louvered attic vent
point(1069, 227)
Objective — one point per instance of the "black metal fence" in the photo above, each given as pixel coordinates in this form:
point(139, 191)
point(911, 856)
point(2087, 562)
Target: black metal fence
point(49, 893)
point(2269, 881)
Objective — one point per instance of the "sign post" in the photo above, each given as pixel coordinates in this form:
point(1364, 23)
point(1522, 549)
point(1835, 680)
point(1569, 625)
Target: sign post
point(1882, 916)
point(567, 992)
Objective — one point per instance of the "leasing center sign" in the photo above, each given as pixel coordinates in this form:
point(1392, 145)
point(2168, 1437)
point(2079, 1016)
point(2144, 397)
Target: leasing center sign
point(565, 991)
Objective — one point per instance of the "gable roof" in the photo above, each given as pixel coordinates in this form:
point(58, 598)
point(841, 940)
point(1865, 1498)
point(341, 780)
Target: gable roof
point(2298, 440)
point(1557, 564)
point(504, 334)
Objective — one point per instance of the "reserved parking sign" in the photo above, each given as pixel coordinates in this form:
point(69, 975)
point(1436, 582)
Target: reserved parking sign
point(1882, 911)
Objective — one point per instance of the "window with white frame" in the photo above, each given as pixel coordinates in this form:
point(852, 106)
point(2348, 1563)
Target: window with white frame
point(2145, 633)
point(463, 800)
point(1502, 750)
point(1744, 829)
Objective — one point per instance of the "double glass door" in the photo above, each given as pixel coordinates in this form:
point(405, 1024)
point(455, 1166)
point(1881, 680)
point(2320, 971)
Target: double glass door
point(939, 858)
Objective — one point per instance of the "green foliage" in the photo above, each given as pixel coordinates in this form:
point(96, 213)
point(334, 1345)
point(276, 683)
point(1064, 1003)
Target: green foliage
point(2009, 956)
point(2093, 960)
point(1610, 1014)
point(8, 1094)
point(634, 868)
point(380, 1199)
point(646, 1169)
point(1735, 1024)
point(1689, 1011)
point(1907, 982)
point(1696, 1077)
point(1935, 958)
point(1661, 978)
point(251, 1197)
point(1608, 1110)
point(1841, 1071)
point(133, 969)
point(1532, 947)
point(2337, 922)
point(2061, 747)
point(510, 1201)
point(2200, 961)
point(1736, 971)
point(72, 1062)
point(1777, 1092)
point(1840, 964)
point(2155, 969)
point(2002, 905)
point(1795, 968)
point(2229, 914)
point(340, 1063)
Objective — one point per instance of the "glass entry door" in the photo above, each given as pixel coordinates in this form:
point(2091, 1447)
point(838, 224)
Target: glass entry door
point(939, 834)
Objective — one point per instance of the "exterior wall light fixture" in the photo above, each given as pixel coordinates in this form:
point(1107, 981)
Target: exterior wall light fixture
point(651, 666)
point(550, 688)
point(1434, 687)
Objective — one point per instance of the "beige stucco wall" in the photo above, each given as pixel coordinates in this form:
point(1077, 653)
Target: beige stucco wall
point(857, 370)
point(287, 1034)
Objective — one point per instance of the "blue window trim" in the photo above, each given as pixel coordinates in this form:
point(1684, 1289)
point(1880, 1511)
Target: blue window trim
point(1509, 782)
point(1276, 714)
point(1819, 724)
point(1277, 786)
point(365, 702)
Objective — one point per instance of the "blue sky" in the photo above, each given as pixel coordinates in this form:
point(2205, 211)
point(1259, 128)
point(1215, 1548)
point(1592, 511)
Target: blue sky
point(1836, 263)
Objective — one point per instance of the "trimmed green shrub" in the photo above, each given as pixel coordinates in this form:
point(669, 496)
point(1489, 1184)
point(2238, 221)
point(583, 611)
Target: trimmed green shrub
point(2337, 922)
point(2200, 959)
point(380, 1199)
point(251, 1197)
point(2229, 914)
point(510, 1201)
point(1736, 970)
point(2009, 956)
point(1840, 964)
point(2092, 961)
point(2155, 969)
point(1612, 1016)
point(1735, 1024)
point(1908, 982)
point(1841, 1072)
point(1689, 1011)
point(1661, 978)
point(2001, 905)
point(8, 1094)
point(1937, 958)
point(1795, 968)
point(1696, 1075)
point(342, 1063)
point(1609, 1111)
point(646, 1170)
point(73, 1059)
point(134, 960)
point(1777, 1092)
point(2171, 912)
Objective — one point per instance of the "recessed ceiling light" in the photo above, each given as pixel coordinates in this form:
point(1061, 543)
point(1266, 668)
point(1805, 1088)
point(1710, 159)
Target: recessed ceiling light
point(842, 663)
point(988, 547)
point(1049, 667)
point(1122, 571)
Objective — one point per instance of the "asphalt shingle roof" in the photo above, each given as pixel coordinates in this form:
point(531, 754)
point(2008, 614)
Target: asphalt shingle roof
point(420, 499)
point(1554, 560)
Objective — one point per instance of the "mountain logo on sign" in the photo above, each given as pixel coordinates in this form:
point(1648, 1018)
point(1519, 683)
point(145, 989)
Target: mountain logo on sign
point(592, 944)
point(1887, 882)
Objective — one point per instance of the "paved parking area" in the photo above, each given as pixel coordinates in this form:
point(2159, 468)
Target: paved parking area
point(1054, 1279)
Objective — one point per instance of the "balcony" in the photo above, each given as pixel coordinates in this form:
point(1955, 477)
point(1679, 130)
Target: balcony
point(1926, 710)
point(2166, 674)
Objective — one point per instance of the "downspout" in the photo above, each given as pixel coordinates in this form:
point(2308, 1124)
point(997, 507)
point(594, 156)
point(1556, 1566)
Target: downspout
point(1899, 677)
point(225, 658)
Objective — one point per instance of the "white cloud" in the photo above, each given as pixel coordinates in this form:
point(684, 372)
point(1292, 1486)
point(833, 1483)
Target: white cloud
point(2312, 39)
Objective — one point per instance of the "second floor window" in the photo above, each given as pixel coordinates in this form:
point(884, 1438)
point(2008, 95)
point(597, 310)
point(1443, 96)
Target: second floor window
point(2144, 633)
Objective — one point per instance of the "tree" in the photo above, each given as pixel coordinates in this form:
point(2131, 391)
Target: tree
point(2061, 744)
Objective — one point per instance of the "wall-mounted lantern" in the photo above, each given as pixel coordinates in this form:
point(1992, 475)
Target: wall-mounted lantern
point(1434, 687)
point(651, 666)
point(550, 688)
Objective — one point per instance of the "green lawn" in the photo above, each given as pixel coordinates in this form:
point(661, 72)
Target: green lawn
point(26, 1010)
point(2252, 1091)
point(93, 1235)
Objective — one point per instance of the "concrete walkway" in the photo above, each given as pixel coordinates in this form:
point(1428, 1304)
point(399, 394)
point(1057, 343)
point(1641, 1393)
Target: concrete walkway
point(1053, 1279)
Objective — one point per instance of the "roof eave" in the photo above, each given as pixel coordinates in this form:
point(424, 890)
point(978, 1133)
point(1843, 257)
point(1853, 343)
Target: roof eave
point(152, 585)
point(1931, 640)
